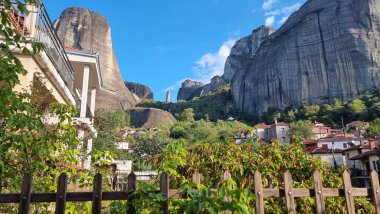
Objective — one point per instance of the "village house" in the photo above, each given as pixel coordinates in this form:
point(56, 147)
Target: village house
point(277, 131)
point(319, 130)
point(260, 130)
point(362, 159)
point(332, 149)
point(334, 157)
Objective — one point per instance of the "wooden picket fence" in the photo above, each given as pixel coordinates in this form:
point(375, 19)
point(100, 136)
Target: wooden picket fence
point(26, 197)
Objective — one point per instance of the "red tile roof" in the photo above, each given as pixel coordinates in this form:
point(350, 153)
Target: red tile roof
point(308, 142)
point(262, 126)
point(320, 150)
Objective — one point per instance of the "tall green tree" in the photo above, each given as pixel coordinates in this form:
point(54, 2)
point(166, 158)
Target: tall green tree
point(301, 129)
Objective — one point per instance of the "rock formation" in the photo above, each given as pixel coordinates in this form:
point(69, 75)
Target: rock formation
point(189, 87)
point(327, 50)
point(150, 118)
point(142, 91)
point(88, 31)
point(244, 50)
point(216, 83)
point(245, 47)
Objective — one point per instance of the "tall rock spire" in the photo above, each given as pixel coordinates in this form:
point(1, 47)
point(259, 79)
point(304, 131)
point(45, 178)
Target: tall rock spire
point(88, 31)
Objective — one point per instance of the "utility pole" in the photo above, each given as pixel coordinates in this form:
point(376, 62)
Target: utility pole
point(344, 129)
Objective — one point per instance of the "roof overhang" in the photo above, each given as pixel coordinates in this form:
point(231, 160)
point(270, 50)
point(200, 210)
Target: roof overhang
point(79, 59)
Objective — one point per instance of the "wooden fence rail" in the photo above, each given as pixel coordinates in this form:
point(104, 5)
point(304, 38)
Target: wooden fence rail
point(26, 197)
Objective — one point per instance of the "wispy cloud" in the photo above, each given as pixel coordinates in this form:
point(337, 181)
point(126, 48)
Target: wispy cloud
point(208, 66)
point(276, 12)
point(285, 10)
point(270, 21)
point(268, 4)
point(212, 64)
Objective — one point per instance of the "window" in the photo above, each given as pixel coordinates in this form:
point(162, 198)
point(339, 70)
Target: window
point(345, 145)
point(283, 139)
point(325, 146)
point(283, 129)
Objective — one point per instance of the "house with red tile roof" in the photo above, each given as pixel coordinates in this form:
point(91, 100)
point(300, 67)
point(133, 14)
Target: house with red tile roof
point(277, 131)
point(332, 156)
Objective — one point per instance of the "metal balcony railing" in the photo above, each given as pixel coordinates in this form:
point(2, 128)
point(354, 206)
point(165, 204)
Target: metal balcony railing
point(46, 35)
point(37, 26)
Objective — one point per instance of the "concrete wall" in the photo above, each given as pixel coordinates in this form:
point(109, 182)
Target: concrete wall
point(48, 72)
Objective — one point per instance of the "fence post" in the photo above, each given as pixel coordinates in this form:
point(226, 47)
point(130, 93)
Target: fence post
point(97, 194)
point(375, 190)
point(26, 193)
point(164, 189)
point(289, 194)
point(196, 177)
point(60, 205)
point(259, 193)
point(227, 176)
point(348, 193)
point(131, 193)
point(318, 191)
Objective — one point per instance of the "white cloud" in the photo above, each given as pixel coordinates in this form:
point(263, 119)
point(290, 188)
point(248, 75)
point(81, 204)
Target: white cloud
point(283, 20)
point(285, 10)
point(267, 5)
point(208, 66)
point(212, 64)
point(270, 21)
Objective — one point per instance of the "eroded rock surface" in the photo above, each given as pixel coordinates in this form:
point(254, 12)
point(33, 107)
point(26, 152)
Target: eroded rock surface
point(142, 91)
point(244, 50)
point(148, 118)
point(328, 49)
point(85, 30)
point(188, 90)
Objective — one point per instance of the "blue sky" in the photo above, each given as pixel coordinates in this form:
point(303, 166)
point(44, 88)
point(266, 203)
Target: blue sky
point(160, 43)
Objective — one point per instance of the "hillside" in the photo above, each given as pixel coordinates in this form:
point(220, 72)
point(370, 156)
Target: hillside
point(213, 106)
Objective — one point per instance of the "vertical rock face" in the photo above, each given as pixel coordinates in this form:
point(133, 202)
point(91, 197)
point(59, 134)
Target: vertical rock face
point(142, 91)
point(216, 83)
point(239, 59)
point(189, 87)
point(244, 50)
point(328, 49)
point(88, 31)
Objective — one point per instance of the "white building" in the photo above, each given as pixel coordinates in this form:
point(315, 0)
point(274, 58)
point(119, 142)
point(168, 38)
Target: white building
point(64, 72)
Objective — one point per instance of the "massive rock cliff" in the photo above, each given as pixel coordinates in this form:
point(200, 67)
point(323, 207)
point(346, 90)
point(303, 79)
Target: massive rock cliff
point(328, 49)
point(142, 91)
point(88, 31)
point(188, 89)
point(244, 50)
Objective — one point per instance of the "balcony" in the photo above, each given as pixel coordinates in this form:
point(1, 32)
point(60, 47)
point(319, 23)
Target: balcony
point(37, 26)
